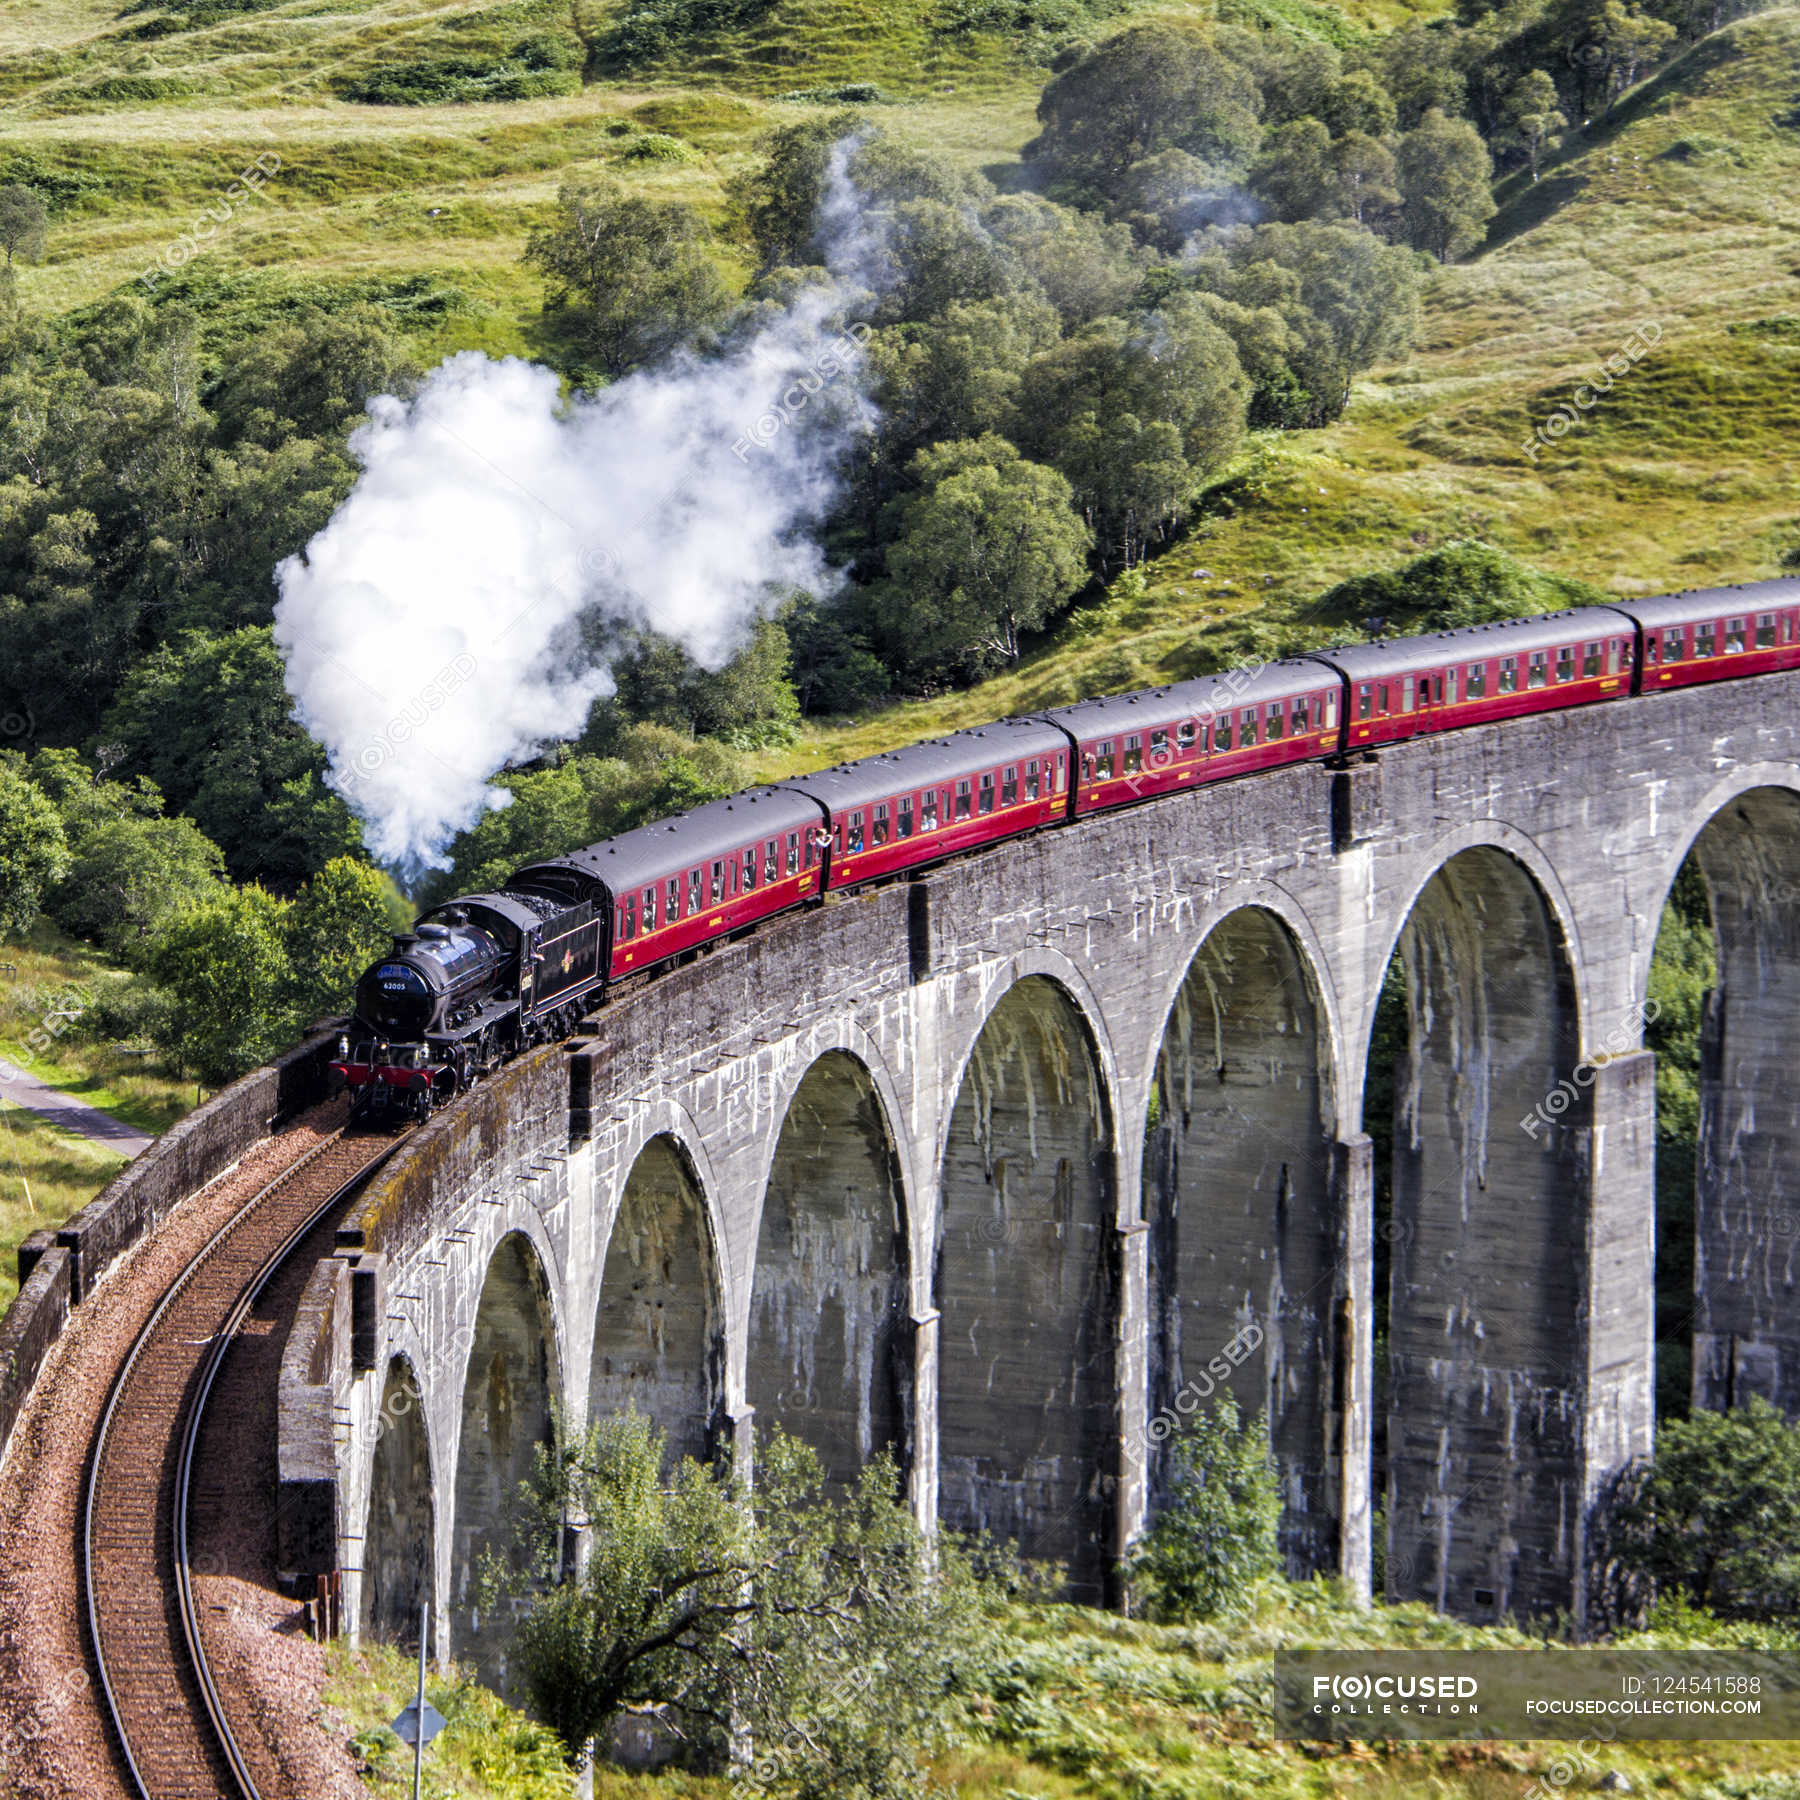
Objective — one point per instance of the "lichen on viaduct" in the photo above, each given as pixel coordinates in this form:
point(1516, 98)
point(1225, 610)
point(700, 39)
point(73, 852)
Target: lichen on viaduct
point(986, 1168)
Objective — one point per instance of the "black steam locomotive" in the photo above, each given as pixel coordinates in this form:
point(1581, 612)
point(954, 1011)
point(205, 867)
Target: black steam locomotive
point(473, 983)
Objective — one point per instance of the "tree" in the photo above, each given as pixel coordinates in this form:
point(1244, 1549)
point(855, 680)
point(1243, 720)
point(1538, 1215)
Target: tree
point(1715, 1515)
point(130, 876)
point(33, 850)
point(1632, 39)
point(749, 702)
point(1364, 178)
point(1293, 171)
point(339, 923)
point(1533, 119)
point(207, 719)
point(1217, 1531)
point(225, 966)
point(1445, 172)
point(1148, 88)
point(22, 224)
point(986, 549)
point(816, 1625)
point(1135, 412)
point(630, 275)
point(312, 378)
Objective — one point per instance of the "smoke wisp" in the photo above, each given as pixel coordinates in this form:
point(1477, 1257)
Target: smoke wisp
point(433, 631)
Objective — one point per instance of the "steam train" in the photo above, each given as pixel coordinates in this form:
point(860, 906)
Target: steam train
point(486, 975)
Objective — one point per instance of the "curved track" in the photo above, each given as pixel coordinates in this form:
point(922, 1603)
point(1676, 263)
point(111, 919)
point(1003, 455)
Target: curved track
point(167, 1715)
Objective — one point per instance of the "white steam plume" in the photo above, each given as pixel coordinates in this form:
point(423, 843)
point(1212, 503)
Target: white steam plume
point(431, 630)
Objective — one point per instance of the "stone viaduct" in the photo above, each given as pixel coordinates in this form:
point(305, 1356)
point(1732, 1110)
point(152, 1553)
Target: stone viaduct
point(988, 1167)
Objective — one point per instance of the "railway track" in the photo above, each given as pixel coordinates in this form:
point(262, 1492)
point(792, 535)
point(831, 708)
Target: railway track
point(166, 1712)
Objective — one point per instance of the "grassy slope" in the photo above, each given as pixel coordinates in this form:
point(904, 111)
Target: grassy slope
point(1090, 1705)
point(1678, 211)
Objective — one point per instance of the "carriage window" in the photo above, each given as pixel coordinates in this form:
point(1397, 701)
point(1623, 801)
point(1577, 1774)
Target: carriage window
point(1222, 732)
point(1734, 636)
point(1627, 650)
point(748, 880)
point(1475, 681)
point(811, 843)
point(1105, 763)
point(1590, 660)
point(1088, 766)
point(772, 860)
point(628, 918)
point(856, 834)
point(962, 799)
point(1187, 734)
point(1364, 701)
point(986, 804)
point(1061, 771)
point(793, 853)
point(881, 824)
point(837, 837)
point(1704, 639)
point(1159, 747)
point(695, 879)
point(1406, 695)
point(1031, 779)
point(928, 815)
point(1787, 628)
point(1765, 631)
point(1134, 754)
point(674, 911)
point(1538, 670)
point(1300, 716)
point(718, 882)
point(1330, 717)
point(1009, 788)
point(903, 818)
point(1509, 675)
point(1247, 736)
point(1565, 663)
point(1612, 656)
point(1275, 715)
point(1674, 643)
point(650, 909)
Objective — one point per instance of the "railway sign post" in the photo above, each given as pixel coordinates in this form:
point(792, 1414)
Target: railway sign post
point(420, 1722)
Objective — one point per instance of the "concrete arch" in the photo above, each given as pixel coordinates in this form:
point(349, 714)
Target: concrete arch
point(1314, 958)
point(660, 1330)
point(1484, 1474)
point(828, 1350)
point(1083, 998)
point(1027, 1289)
point(848, 1036)
point(1239, 1189)
point(510, 1391)
point(400, 1524)
point(1747, 1184)
point(1401, 903)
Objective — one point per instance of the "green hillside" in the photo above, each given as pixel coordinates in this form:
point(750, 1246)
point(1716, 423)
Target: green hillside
point(1676, 210)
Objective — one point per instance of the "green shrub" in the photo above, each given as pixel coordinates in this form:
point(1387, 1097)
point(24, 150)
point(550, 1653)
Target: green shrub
point(544, 62)
point(652, 29)
point(1715, 1514)
point(1216, 1533)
